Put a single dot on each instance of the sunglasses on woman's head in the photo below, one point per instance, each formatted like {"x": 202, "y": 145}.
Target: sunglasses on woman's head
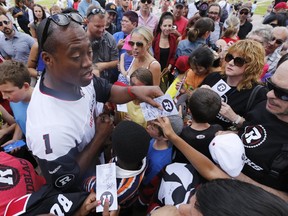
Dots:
{"x": 277, "y": 41}
{"x": 238, "y": 61}
{"x": 138, "y": 43}
{"x": 148, "y": 1}
{"x": 280, "y": 93}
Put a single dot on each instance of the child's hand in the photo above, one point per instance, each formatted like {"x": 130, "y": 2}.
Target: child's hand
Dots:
{"x": 165, "y": 124}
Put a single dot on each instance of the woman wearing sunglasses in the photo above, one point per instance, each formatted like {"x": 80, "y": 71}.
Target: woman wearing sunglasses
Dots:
{"x": 164, "y": 46}
{"x": 141, "y": 41}
{"x": 244, "y": 64}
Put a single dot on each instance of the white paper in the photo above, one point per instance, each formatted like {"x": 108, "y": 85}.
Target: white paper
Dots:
{"x": 106, "y": 187}
{"x": 151, "y": 113}
{"x": 221, "y": 87}
{"x": 122, "y": 108}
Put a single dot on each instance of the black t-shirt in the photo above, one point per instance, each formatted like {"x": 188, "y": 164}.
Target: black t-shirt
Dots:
{"x": 199, "y": 140}
{"x": 245, "y": 29}
{"x": 164, "y": 55}
{"x": 263, "y": 135}
{"x": 237, "y": 100}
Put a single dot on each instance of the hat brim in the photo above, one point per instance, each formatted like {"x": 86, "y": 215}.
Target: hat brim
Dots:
{"x": 111, "y": 11}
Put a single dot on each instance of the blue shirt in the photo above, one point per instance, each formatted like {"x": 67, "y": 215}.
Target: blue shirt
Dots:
{"x": 118, "y": 36}
{"x": 156, "y": 159}
{"x": 83, "y": 6}
{"x": 20, "y": 114}
{"x": 18, "y": 47}
{"x": 186, "y": 47}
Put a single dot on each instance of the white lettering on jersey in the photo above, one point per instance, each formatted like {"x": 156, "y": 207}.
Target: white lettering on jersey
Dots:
{"x": 64, "y": 202}
{"x": 252, "y": 164}
{"x": 254, "y": 134}
{"x": 4, "y": 178}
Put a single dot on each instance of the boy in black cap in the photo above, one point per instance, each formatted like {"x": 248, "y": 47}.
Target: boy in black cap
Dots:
{"x": 111, "y": 17}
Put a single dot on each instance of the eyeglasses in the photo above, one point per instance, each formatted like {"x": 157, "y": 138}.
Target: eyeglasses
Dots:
{"x": 138, "y": 43}
{"x": 246, "y": 13}
{"x": 280, "y": 93}
{"x": 61, "y": 20}
{"x": 148, "y": 1}
{"x": 213, "y": 13}
{"x": 96, "y": 11}
{"x": 238, "y": 61}
{"x": 6, "y": 22}
{"x": 277, "y": 41}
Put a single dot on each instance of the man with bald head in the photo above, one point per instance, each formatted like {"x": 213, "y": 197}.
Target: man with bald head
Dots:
{"x": 63, "y": 130}
{"x": 264, "y": 135}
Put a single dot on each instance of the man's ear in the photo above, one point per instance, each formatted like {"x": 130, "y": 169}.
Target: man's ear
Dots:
{"x": 47, "y": 58}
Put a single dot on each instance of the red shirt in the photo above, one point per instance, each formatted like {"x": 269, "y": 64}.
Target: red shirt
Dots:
{"x": 181, "y": 25}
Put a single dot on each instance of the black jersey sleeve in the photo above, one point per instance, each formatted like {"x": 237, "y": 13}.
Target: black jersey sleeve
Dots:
{"x": 102, "y": 88}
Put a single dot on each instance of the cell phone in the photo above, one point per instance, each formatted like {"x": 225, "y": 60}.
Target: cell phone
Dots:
{"x": 14, "y": 145}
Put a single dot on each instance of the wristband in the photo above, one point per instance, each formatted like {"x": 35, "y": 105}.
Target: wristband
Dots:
{"x": 133, "y": 96}
{"x": 236, "y": 122}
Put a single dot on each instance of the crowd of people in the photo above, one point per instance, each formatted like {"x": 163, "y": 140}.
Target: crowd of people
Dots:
{"x": 72, "y": 80}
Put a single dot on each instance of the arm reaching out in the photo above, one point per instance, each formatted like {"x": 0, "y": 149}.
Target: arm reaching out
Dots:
{"x": 201, "y": 163}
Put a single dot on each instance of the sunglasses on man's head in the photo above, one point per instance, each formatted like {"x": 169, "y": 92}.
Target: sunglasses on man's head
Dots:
{"x": 148, "y": 1}
{"x": 60, "y": 20}
{"x": 277, "y": 41}
{"x": 6, "y": 22}
{"x": 280, "y": 93}
{"x": 96, "y": 11}
{"x": 138, "y": 43}
{"x": 238, "y": 61}
{"x": 242, "y": 12}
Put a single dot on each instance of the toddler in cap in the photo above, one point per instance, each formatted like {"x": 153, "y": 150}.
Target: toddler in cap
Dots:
{"x": 126, "y": 59}
{"x": 227, "y": 150}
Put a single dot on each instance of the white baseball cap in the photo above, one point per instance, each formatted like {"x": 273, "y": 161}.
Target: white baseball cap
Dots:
{"x": 228, "y": 151}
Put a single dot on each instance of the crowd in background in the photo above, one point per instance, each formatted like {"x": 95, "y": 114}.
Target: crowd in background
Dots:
{"x": 65, "y": 70}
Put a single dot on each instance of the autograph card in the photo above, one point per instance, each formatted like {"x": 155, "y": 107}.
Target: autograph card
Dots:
{"x": 106, "y": 187}
{"x": 122, "y": 107}
{"x": 151, "y": 113}
{"x": 221, "y": 87}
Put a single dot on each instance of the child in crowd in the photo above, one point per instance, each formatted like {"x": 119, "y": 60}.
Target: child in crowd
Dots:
{"x": 125, "y": 61}
{"x": 160, "y": 149}
{"x": 15, "y": 87}
{"x": 159, "y": 155}
{"x": 130, "y": 143}
{"x": 140, "y": 77}
{"x": 204, "y": 105}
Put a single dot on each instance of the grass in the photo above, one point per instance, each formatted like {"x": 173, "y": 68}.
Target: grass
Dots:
{"x": 262, "y": 7}
{"x": 260, "y": 10}
{"x": 47, "y": 3}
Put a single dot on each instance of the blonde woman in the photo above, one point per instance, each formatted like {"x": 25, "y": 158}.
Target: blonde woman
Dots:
{"x": 244, "y": 63}
{"x": 141, "y": 41}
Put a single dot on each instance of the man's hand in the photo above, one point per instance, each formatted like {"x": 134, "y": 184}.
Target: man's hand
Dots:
{"x": 104, "y": 126}
{"x": 147, "y": 94}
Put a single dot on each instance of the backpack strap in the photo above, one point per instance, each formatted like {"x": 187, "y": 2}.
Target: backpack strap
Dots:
{"x": 280, "y": 162}
{"x": 252, "y": 97}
